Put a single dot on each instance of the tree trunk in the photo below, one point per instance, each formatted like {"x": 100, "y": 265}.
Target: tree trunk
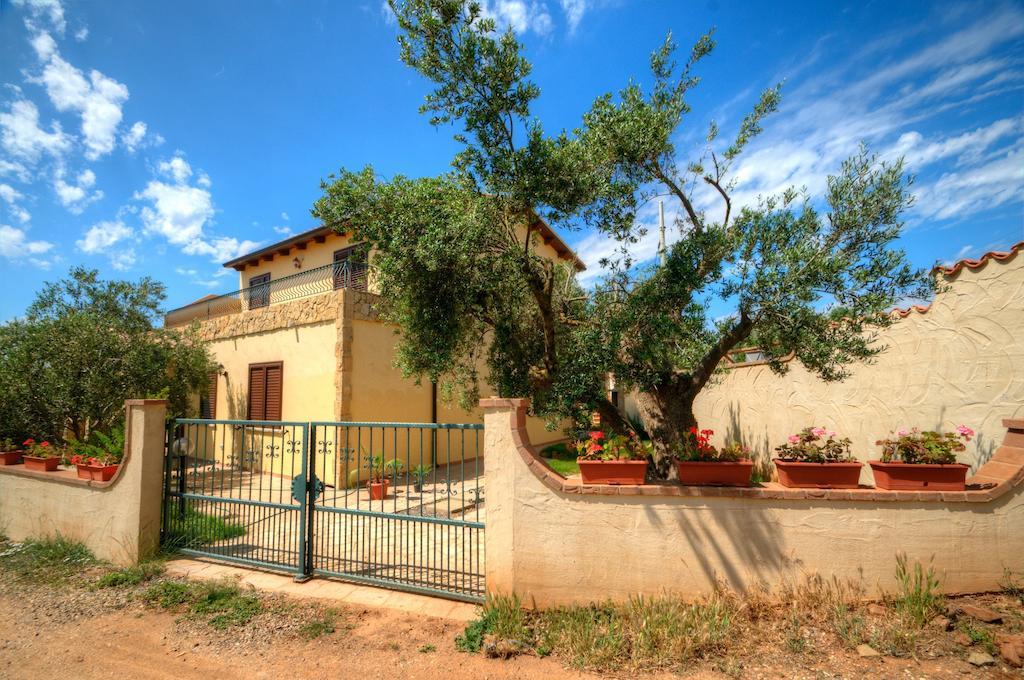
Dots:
{"x": 667, "y": 414}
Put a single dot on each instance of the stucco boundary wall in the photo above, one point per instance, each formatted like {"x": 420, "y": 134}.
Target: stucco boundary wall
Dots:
{"x": 119, "y": 520}
{"x": 555, "y": 541}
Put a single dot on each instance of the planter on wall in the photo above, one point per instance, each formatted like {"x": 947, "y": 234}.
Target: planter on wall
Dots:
{"x": 10, "y": 457}
{"x": 804, "y": 475}
{"x": 715, "y": 473}
{"x": 41, "y": 464}
{"x": 97, "y": 473}
{"x": 613, "y": 471}
{"x": 918, "y": 476}
{"x": 378, "y": 490}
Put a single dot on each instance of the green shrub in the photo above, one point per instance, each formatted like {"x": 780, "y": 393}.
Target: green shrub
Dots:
{"x": 197, "y": 529}
{"x": 168, "y": 594}
{"x": 47, "y": 560}
{"x": 131, "y": 576}
{"x": 918, "y": 599}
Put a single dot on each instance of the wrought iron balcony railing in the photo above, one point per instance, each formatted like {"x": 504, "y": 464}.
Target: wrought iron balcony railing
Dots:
{"x": 311, "y": 282}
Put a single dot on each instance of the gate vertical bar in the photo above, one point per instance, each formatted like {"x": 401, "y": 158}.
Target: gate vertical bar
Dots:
{"x": 305, "y": 558}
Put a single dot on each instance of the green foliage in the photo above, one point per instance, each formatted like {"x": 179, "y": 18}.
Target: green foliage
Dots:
{"x": 978, "y": 635}
{"x": 47, "y": 560}
{"x": 918, "y": 599}
{"x": 132, "y": 576}
{"x": 84, "y": 346}
{"x": 925, "y": 447}
{"x": 609, "y": 446}
{"x": 221, "y": 603}
{"x": 197, "y": 528}
{"x": 107, "y": 449}
{"x": 459, "y": 263}
{"x": 816, "y": 445}
{"x": 561, "y": 459}
{"x": 324, "y": 625}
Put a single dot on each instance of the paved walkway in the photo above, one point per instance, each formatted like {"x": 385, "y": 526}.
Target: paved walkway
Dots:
{"x": 325, "y": 589}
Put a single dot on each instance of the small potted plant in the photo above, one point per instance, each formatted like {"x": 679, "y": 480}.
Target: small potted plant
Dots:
{"x": 10, "y": 454}
{"x": 813, "y": 458}
{"x": 915, "y": 460}
{"x": 381, "y": 474}
{"x": 699, "y": 462}
{"x": 99, "y": 458}
{"x": 419, "y": 477}
{"x": 40, "y": 456}
{"x": 612, "y": 459}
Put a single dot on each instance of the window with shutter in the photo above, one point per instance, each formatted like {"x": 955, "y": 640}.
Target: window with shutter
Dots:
{"x": 265, "y": 388}
{"x": 350, "y": 269}
{"x": 208, "y": 400}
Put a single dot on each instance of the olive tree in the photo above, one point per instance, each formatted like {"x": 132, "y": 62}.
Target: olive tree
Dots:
{"x": 458, "y": 255}
{"x": 83, "y": 347}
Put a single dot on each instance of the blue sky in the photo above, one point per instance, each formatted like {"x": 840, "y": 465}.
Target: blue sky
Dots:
{"x": 165, "y": 138}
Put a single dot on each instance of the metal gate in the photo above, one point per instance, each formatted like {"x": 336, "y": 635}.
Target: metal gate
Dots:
{"x": 399, "y": 505}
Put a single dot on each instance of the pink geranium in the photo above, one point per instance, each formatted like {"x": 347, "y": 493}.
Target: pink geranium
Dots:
{"x": 965, "y": 432}
{"x": 794, "y": 439}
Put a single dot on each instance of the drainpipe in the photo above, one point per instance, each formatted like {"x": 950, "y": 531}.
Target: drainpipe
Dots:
{"x": 433, "y": 420}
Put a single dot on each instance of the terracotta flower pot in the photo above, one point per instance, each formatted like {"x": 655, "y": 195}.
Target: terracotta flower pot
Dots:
{"x": 378, "y": 490}
{"x": 10, "y": 457}
{"x": 803, "y": 475}
{"x": 918, "y": 476}
{"x": 612, "y": 471}
{"x": 41, "y": 464}
{"x": 97, "y": 473}
{"x": 715, "y": 473}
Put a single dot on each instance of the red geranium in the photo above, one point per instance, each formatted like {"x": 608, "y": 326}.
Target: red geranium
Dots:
{"x": 28, "y": 442}
{"x": 597, "y": 435}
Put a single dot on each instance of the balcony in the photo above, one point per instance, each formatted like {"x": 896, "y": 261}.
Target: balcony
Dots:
{"x": 304, "y": 284}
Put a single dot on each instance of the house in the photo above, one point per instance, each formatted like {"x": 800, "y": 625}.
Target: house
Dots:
{"x": 301, "y": 339}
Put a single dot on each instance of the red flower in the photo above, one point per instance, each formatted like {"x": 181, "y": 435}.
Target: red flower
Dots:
{"x": 707, "y": 433}
{"x": 28, "y": 442}
{"x": 594, "y": 447}
{"x": 94, "y": 461}
{"x": 76, "y": 460}
{"x": 597, "y": 435}
{"x": 45, "y": 444}
{"x": 693, "y": 430}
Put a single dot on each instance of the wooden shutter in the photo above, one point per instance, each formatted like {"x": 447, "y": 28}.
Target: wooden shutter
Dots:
{"x": 274, "y": 375}
{"x": 257, "y": 392}
{"x": 265, "y": 391}
{"x": 208, "y": 401}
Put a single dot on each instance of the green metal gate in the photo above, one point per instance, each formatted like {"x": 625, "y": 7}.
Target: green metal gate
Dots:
{"x": 399, "y": 505}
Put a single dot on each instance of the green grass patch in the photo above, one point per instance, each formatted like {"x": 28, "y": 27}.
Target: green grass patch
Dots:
{"x": 918, "y": 599}
{"x": 197, "y": 529}
{"x": 49, "y": 560}
{"x": 221, "y": 603}
{"x": 562, "y": 459}
{"x": 132, "y": 576}
{"x": 322, "y": 625}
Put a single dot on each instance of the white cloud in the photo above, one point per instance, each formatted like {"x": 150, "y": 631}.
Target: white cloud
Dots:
{"x": 82, "y": 34}
{"x": 11, "y": 196}
{"x": 102, "y": 235}
{"x": 969, "y": 145}
{"x": 284, "y": 216}
{"x": 574, "y": 11}
{"x": 123, "y": 260}
{"x": 22, "y": 138}
{"x": 50, "y": 10}
{"x": 181, "y": 213}
{"x": 519, "y": 15}
{"x": 388, "y": 14}
{"x": 177, "y": 168}
{"x": 76, "y": 197}
{"x": 15, "y": 246}
{"x": 12, "y": 168}
{"x": 284, "y": 231}
{"x": 960, "y": 193}
{"x": 97, "y": 99}
{"x": 138, "y": 137}
{"x": 204, "y": 180}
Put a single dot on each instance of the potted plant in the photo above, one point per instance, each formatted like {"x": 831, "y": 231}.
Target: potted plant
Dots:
{"x": 10, "y": 454}
{"x": 419, "y": 476}
{"x": 612, "y": 459}
{"x": 922, "y": 460}
{"x": 99, "y": 458}
{"x": 699, "y": 462}
{"x": 380, "y": 472}
{"x": 814, "y": 458}
{"x": 40, "y": 456}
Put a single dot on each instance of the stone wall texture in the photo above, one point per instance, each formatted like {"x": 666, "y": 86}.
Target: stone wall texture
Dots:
{"x": 308, "y": 310}
{"x": 958, "y": 361}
